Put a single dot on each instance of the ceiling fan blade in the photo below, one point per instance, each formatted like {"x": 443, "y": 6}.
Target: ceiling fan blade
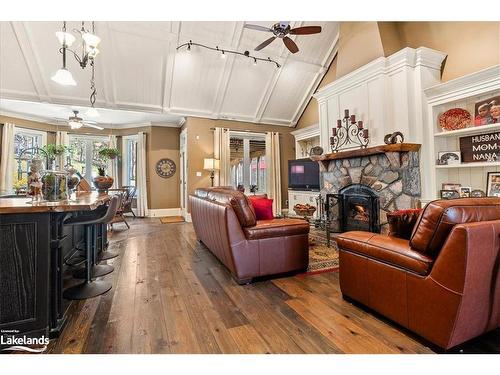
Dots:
{"x": 265, "y": 43}
{"x": 290, "y": 44}
{"x": 305, "y": 30}
{"x": 257, "y": 27}
{"x": 93, "y": 126}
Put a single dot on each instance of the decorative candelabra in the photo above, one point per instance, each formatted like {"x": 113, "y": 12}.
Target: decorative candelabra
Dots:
{"x": 351, "y": 132}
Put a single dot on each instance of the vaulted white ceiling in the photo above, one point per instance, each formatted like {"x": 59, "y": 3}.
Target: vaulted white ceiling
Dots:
{"x": 139, "y": 69}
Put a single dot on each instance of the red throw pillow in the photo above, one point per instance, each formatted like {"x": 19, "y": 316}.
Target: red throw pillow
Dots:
{"x": 263, "y": 208}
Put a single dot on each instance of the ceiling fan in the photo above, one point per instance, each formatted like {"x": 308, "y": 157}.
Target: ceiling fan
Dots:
{"x": 281, "y": 30}
{"x": 76, "y": 122}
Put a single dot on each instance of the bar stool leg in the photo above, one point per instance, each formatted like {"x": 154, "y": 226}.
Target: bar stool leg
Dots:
{"x": 89, "y": 288}
{"x": 105, "y": 253}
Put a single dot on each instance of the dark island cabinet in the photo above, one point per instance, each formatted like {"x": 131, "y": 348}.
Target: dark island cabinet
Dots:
{"x": 24, "y": 268}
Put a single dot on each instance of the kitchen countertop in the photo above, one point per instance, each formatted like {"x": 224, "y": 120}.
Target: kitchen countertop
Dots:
{"x": 77, "y": 202}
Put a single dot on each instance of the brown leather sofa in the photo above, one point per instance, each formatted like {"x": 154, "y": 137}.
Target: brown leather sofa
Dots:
{"x": 443, "y": 283}
{"x": 224, "y": 220}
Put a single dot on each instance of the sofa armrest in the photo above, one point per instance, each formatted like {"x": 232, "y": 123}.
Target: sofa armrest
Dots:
{"x": 468, "y": 265}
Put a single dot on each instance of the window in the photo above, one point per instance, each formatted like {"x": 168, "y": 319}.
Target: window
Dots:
{"x": 84, "y": 154}
{"x": 25, "y": 139}
{"x": 248, "y": 161}
{"x": 129, "y": 160}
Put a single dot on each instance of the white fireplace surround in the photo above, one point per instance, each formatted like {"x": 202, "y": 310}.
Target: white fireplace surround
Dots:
{"x": 387, "y": 94}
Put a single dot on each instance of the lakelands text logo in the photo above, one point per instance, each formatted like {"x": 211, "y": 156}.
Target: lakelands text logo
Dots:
{"x": 9, "y": 342}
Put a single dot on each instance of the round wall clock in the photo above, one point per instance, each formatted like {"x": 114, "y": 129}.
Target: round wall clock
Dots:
{"x": 165, "y": 168}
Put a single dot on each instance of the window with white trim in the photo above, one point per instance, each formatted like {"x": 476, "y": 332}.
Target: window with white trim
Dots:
{"x": 129, "y": 160}
{"x": 24, "y": 142}
{"x": 248, "y": 161}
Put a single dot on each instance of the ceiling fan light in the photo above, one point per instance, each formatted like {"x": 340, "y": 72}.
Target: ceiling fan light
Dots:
{"x": 65, "y": 38}
{"x": 75, "y": 124}
{"x": 92, "y": 112}
{"x": 64, "y": 77}
{"x": 91, "y": 40}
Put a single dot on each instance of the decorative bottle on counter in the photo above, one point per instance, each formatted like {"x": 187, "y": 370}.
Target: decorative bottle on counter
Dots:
{"x": 55, "y": 186}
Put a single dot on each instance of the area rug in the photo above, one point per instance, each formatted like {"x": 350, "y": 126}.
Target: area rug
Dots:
{"x": 171, "y": 219}
{"x": 321, "y": 257}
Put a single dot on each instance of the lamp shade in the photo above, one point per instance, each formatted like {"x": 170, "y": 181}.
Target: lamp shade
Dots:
{"x": 211, "y": 164}
{"x": 75, "y": 124}
{"x": 91, "y": 39}
{"x": 64, "y": 77}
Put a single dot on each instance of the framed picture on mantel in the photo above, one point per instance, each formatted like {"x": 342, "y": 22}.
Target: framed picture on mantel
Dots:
{"x": 480, "y": 147}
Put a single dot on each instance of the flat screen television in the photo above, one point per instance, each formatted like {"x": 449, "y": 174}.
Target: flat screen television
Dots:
{"x": 303, "y": 174}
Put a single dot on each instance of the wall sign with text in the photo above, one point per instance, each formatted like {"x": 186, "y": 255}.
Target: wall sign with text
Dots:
{"x": 480, "y": 148}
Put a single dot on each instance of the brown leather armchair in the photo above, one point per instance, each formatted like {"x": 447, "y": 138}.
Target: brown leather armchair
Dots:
{"x": 224, "y": 220}
{"x": 443, "y": 283}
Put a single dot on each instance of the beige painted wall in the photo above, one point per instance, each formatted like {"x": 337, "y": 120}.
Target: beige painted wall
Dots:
{"x": 163, "y": 143}
{"x": 200, "y": 145}
{"x": 471, "y": 46}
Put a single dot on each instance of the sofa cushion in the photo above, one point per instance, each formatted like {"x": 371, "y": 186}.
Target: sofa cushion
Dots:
{"x": 402, "y": 222}
{"x": 439, "y": 217}
{"x": 391, "y": 250}
{"x": 263, "y": 208}
{"x": 238, "y": 201}
{"x": 276, "y": 228}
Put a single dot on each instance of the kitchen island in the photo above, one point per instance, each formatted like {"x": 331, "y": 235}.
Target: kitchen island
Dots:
{"x": 34, "y": 246}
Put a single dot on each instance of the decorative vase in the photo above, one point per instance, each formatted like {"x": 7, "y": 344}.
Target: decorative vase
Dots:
{"x": 55, "y": 186}
{"x": 103, "y": 183}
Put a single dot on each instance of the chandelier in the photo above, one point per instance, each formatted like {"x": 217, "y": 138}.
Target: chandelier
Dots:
{"x": 224, "y": 52}
{"x": 89, "y": 43}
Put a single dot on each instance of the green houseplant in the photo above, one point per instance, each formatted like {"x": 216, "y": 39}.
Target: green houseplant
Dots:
{"x": 102, "y": 182}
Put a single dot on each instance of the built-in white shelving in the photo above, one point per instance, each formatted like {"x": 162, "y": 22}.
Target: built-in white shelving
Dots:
{"x": 470, "y": 165}
{"x": 463, "y": 92}
{"x": 469, "y": 131}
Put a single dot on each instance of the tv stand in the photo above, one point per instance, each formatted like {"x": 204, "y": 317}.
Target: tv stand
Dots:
{"x": 302, "y": 197}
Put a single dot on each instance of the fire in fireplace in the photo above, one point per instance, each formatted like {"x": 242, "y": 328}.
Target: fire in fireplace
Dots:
{"x": 358, "y": 208}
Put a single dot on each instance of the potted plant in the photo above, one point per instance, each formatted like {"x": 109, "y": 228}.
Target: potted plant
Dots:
{"x": 102, "y": 181}
{"x": 53, "y": 151}
{"x": 109, "y": 153}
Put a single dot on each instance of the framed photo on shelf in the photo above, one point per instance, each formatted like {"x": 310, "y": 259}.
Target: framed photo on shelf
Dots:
{"x": 449, "y": 157}
{"x": 465, "y": 191}
{"x": 451, "y": 186}
{"x": 493, "y": 185}
{"x": 449, "y": 194}
{"x": 487, "y": 111}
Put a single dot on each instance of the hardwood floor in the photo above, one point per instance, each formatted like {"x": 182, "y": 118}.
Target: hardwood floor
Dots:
{"x": 170, "y": 295}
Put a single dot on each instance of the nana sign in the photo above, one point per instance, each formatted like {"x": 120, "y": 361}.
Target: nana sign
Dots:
{"x": 480, "y": 148}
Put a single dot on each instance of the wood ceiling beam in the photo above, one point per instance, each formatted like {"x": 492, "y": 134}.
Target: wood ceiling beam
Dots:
{"x": 169, "y": 65}
{"x": 228, "y": 69}
{"x": 266, "y": 97}
{"x": 32, "y": 61}
{"x": 327, "y": 61}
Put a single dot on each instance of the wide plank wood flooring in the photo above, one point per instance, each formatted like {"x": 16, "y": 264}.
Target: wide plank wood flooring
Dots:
{"x": 170, "y": 295}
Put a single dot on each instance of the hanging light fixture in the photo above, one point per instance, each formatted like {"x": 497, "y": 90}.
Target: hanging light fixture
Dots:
{"x": 63, "y": 76}
{"x": 224, "y": 52}
{"x": 89, "y": 43}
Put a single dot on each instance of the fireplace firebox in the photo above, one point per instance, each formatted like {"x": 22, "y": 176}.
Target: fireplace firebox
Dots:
{"x": 358, "y": 208}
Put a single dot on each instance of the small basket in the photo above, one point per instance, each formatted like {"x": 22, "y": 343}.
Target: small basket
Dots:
{"x": 305, "y": 212}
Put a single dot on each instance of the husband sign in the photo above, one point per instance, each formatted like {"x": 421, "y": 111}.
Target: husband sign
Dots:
{"x": 480, "y": 148}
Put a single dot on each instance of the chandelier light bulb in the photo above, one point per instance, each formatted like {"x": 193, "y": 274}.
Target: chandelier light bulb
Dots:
{"x": 91, "y": 40}
{"x": 223, "y": 55}
{"x": 64, "y": 77}
{"x": 254, "y": 62}
{"x": 92, "y": 52}
{"x": 65, "y": 39}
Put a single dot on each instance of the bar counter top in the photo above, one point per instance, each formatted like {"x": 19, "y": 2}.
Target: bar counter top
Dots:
{"x": 77, "y": 202}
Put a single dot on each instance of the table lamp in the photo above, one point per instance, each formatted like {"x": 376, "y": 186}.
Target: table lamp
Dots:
{"x": 212, "y": 165}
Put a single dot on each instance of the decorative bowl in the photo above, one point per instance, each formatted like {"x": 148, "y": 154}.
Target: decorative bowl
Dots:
{"x": 454, "y": 119}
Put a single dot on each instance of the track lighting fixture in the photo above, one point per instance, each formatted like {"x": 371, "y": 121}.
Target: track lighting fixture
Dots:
{"x": 224, "y": 52}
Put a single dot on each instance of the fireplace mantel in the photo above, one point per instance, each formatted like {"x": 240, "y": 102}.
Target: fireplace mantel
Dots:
{"x": 324, "y": 160}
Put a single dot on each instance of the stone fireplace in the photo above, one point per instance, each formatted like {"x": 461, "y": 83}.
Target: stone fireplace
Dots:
{"x": 383, "y": 181}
